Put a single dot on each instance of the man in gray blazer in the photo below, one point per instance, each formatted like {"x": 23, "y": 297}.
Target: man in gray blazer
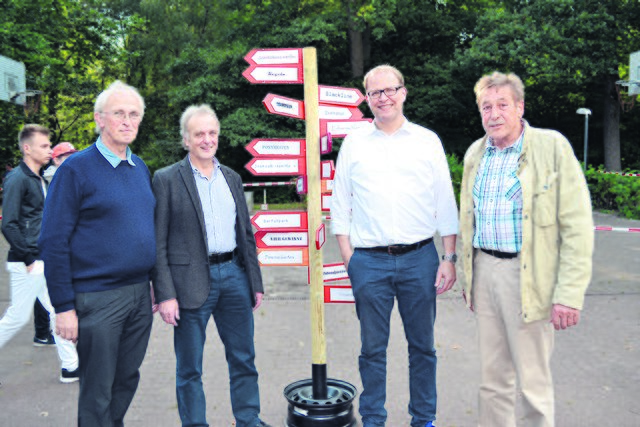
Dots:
{"x": 207, "y": 266}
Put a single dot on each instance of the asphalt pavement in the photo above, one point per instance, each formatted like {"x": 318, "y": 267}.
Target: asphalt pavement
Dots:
{"x": 596, "y": 365}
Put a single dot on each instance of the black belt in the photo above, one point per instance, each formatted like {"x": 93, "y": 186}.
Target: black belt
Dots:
{"x": 223, "y": 257}
{"x": 498, "y": 254}
{"x": 399, "y": 249}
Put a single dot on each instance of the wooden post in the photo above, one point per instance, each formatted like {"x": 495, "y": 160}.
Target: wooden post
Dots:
{"x": 314, "y": 213}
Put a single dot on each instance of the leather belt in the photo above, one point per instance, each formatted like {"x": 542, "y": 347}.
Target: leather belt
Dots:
{"x": 501, "y": 255}
{"x": 222, "y": 257}
{"x": 399, "y": 249}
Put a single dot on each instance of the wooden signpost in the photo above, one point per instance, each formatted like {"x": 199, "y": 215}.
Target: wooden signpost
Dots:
{"x": 296, "y": 238}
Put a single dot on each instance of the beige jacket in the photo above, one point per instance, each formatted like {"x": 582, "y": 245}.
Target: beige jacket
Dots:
{"x": 557, "y": 224}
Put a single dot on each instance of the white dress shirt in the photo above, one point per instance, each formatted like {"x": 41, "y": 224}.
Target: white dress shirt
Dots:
{"x": 392, "y": 189}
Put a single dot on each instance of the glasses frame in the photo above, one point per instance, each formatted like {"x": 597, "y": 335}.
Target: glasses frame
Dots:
{"x": 376, "y": 94}
{"x": 122, "y": 116}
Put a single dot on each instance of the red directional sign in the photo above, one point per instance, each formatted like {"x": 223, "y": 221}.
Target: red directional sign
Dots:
{"x": 340, "y": 128}
{"x": 340, "y": 96}
{"x": 326, "y": 144}
{"x": 283, "y": 257}
{"x": 274, "y": 56}
{"x": 274, "y": 74}
{"x": 338, "y": 294}
{"x": 334, "y": 272}
{"x": 289, "y": 107}
{"x": 337, "y": 112}
{"x": 327, "y": 169}
{"x": 277, "y": 166}
{"x": 271, "y": 239}
{"x": 277, "y": 147}
{"x": 280, "y": 221}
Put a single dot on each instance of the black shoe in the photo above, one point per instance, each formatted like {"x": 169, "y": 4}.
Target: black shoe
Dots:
{"x": 44, "y": 342}
{"x": 67, "y": 376}
{"x": 262, "y": 424}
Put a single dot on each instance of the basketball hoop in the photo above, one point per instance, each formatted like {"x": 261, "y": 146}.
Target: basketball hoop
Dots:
{"x": 30, "y": 100}
{"x": 627, "y": 93}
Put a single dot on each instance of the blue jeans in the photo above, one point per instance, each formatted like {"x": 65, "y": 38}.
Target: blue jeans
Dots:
{"x": 230, "y": 304}
{"x": 378, "y": 278}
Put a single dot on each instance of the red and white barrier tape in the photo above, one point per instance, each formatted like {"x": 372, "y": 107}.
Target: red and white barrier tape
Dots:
{"x": 621, "y": 229}
{"x": 268, "y": 184}
{"x": 619, "y": 173}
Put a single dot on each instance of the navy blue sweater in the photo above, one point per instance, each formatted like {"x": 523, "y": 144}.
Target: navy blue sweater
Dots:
{"x": 97, "y": 228}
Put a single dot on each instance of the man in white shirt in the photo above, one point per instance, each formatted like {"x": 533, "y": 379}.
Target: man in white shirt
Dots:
{"x": 392, "y": 192}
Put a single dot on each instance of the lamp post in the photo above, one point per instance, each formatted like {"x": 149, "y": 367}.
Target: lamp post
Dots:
{"x": 586, "y": 112}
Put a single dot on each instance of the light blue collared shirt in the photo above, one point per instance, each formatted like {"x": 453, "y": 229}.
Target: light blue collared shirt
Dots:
{"x": 497, "y": 199}
{"x": 110, "y": 155}
{"x": 219, "y": 209}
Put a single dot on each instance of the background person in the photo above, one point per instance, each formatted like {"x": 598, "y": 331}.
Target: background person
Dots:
{"x": 392, "y": 192}
{"x": 98, "y": 244}
{"x": 43, "y": 336}
{"x": 527, "y": 241}
{"x": 207, "y": 266}
{"x": 24, "y": 198}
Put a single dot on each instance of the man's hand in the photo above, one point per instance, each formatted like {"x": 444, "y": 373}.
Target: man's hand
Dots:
{"x": 259, "y": 296}
{"x": 564, "y": 317}
{"x": 154, "y": 307}
{"x": 67, "y": 325}
{"x": 446, "y": 277}
{"x": 170, "y": 312}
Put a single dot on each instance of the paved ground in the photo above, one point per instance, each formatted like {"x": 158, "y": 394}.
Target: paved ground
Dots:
{"x": 596, "y": 365}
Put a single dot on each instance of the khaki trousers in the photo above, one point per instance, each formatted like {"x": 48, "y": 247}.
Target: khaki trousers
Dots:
{"x": 512, "y": 352}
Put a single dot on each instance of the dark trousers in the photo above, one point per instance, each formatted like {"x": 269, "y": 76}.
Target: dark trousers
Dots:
{"x": 114, "y": 329}
{"x": 41, "y": 320}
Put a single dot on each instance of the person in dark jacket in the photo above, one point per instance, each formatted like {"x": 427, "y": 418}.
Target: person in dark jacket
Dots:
{"x": 207, "y": 267}
{"x": 24, "y": 194}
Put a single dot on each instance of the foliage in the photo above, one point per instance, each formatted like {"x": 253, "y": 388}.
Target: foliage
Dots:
{"x": 456, "y": 167}
{"x": 614, "y": 192}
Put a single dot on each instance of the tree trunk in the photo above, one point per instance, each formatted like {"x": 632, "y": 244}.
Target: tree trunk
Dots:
{"x": 611, "y": 126}
{"x": 357, "y": 53}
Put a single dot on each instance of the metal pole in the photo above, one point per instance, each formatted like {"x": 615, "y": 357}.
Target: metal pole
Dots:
{"x": 586, "y": 139}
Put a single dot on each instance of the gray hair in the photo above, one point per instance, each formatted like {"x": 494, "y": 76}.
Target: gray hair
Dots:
{"x": 498, "y": 79}
{"x": 195, "y": 110}
{"x": 27, "y": 133}
{"x": 103, "y": 98}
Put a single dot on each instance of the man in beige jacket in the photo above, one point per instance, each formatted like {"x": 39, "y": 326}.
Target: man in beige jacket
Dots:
{"x": 527, "y": 241}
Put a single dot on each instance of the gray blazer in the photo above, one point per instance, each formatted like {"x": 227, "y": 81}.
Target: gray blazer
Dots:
{"x": 182, "y": 264}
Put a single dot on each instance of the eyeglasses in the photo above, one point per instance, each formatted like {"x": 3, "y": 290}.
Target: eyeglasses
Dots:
{"x": 390, "y": 91}
{"x": 121, "y": 116}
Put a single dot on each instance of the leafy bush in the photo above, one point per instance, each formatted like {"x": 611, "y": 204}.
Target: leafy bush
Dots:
{"x": 617, "y": 193}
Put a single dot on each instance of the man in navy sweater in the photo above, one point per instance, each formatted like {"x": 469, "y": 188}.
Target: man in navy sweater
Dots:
{"x": 98, "y": 246}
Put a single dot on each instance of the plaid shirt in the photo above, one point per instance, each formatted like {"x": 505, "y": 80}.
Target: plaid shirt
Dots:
{"x": 497, "y": 200}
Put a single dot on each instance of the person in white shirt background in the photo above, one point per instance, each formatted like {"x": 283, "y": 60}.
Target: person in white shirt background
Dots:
{"x": 392, "y": 193}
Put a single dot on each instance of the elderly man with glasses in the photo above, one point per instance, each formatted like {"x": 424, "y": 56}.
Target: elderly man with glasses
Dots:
{"x": 98, "y": 245}
{"x": 392, "y": 193}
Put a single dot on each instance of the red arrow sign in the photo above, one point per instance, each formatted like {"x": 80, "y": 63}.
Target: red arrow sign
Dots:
{"x": 277, "y": 147}
{"x": 273, "y": 74}
{"x": 289, "y": 107}
{"x": 280, "y": 221}
{"x": 270, "y": 239}
{"x": 340, "y": 128}
{"x": 338, "y": 294}
{"x": 283, "y": 257}
{"x": 336, "y": 112}
{"x": 340, "y": 96}
{"x": 277, "y": 166}
{"x": 274, "y": 57}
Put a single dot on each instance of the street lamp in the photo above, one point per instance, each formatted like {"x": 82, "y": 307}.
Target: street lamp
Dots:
{"x": 586, "y": 112}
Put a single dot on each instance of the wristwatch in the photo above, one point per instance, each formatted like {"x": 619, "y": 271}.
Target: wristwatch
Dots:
{"x": 452, "y": 258}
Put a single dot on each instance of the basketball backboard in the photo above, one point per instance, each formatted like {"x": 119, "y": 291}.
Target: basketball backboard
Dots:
{"x": 12, "y": 80}
{"x": 634, "y": 73}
